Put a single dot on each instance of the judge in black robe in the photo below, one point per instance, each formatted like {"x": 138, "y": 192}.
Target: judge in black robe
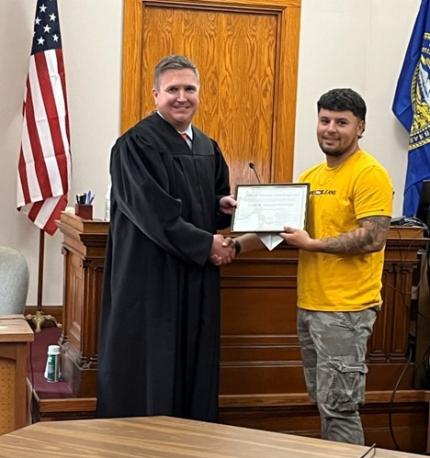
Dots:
{"x": 160, "y": 318}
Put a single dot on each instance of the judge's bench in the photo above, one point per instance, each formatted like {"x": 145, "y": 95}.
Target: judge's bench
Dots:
{"x": 262, "y": 384}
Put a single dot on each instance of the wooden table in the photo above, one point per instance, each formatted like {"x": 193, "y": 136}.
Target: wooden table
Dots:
{"x": 166, "y": 437}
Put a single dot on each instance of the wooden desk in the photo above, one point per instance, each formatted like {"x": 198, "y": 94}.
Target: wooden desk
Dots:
{"x": 261, "y": 375}
{"x": 168, "y": 438}
{"x": 15, "y": 333}
{"x": 259, "y": 341}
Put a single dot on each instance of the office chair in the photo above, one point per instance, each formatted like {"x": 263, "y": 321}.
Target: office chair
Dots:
{"x": 14, "y": 278}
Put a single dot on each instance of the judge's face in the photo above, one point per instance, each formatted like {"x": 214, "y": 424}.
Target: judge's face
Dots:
{"x": 177, "y": 97}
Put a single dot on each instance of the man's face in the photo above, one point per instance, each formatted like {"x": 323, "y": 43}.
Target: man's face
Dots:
{"x": 177, "y": 97}
{"x": 338, "y": 132}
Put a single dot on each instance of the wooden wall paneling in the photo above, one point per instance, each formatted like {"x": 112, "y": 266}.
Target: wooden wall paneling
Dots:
{"x": 259, "y": 310}
{"x": 259, "y": 346}
{"x": 422, "y": 323}
{"x": 409, "y": 422}
{"x": 76, "y": 408}
{"x": 262, "y": 383}
{"x": 377, "y": 351}
{"x": 15, "y": 334}
{"x": 260, "y": 354}
{"x": 401, "y": 313}
{"x": 285, "y": 106}
{"x": 132, "y": 64}
{"x": 390, "y": 339}
{"x": 247, "y": 56}
{"x": 84, "y": 252}
{"x": 7, "y": 392}
{"x": 77, "y": 280}
{"x": 235, "y": 54}
{"x": 264, "y": 348}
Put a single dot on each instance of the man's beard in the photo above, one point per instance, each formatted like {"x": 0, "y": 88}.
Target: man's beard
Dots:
{"x": 334, "y": 152}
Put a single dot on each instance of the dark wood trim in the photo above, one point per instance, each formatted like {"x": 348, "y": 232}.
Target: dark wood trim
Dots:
{"x": 292, "y": 399}
{"x": 61, "y": 408}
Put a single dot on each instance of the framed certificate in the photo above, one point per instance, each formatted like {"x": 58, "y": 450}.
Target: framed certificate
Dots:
{"x": 270, "y": 207}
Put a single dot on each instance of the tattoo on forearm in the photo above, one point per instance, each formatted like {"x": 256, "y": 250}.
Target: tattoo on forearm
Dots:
{"x": 368, "y": 237}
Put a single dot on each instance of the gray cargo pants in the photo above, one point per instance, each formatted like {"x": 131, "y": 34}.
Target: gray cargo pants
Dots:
{"x": 333, "y": 346}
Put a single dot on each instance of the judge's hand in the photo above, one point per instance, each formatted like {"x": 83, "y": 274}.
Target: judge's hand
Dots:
{"x": 297, "y": 237}
{"x": 222, "y": 251}
{"x": 227, "y": 204}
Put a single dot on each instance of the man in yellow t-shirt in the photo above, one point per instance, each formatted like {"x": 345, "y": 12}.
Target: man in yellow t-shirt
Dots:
{"x": 340, "y": 264}
{"x": 341, "y": 258}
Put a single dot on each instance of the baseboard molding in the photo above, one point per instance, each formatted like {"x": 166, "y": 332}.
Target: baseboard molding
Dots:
{"x": 294, "y": 413}
{"x": 302, "y": 399}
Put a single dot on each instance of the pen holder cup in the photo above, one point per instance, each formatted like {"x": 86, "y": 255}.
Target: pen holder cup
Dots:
{"x": 84, "y": 211}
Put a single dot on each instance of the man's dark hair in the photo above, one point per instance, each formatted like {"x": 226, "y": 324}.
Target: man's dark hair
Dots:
{"x": 343, "y": 100}
{"x": 173, "y": 62}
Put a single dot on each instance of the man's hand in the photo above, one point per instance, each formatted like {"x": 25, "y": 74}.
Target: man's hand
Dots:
{"x": 222, "y": 251}
{"x": 299, "y": 238}
{"x": 368, "y": 237}
{"x": 227, "y": 204}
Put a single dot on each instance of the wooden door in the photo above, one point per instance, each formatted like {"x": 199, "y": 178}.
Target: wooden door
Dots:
{"x": 246, "y": 52}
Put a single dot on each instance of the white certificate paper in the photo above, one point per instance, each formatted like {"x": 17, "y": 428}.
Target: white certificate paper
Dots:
{"x": 270, "y": 207}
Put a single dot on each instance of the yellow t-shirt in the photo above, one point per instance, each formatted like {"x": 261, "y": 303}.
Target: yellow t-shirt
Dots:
{"x": 339, "y": 196}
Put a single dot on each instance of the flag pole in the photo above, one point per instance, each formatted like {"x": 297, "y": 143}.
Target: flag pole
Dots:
{"x": 39, "y": 318}
{"x": 40, "y": 272}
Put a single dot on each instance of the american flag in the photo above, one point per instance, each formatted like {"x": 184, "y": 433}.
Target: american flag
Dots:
{"x": 44, "y": 161}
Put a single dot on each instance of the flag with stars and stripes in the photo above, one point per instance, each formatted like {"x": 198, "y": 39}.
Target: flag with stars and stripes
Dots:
{"x": 44, "y": 165}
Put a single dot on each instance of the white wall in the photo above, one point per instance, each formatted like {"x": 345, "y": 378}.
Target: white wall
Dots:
{"x": 357, "y": 44}
{"x": 92, "y": 39}
{"x": 344, "y": 43}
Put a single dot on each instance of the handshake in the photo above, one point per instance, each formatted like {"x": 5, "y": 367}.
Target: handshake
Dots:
{"x": 223, "y": 250}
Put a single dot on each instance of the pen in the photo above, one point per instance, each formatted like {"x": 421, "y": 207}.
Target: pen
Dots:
{"x": 90, "y": 197}
{"x": 372, "y": 449}
{"x": 86, "y": 198}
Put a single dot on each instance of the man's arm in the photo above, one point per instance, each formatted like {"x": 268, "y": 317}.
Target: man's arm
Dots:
{"x": 369, "y": 237}
{"x": 249, "y": 242}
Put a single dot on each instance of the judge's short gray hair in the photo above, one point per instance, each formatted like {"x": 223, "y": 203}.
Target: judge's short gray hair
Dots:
{"x": 173, "y": 62}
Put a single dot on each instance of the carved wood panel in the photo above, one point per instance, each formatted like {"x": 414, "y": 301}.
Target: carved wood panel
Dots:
{"x": 259, "y": 345}
{"x": 262, "y": 384}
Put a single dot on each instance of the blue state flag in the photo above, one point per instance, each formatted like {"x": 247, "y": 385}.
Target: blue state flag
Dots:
{"x": 412, "y": 108}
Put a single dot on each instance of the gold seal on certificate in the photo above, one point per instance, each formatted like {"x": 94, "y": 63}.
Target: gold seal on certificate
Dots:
{"x": 270, "y": 207}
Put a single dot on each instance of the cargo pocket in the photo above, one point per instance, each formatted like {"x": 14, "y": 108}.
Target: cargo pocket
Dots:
{"x": 347, "y": 385}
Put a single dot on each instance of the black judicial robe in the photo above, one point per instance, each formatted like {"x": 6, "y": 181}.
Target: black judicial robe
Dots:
{"x": 160, "y": 317}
